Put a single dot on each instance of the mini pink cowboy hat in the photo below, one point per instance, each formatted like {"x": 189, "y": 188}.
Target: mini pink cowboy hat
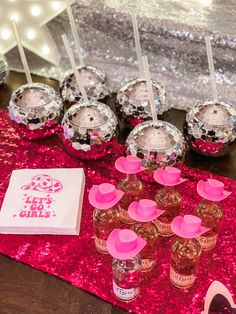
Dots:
{"x": 129, "y": 165}
{"x": 188, "y": 227}
{"x": 104, "y": 196}
{"x": 169, "y": 176}
{"x": 212, "y": 190}
{"x": 124, "y": 244}
{"x": 144, "y": 210}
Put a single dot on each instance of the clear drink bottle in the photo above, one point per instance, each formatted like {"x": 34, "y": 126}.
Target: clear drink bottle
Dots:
{"x": 210, "y": 211}
{"x": 104, "y": 198}
{"x": 131, "y": 185}
{"x": 124, "y": 246}
{"x": 185, "y": 250}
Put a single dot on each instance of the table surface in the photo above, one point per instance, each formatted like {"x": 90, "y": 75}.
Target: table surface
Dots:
{"x": 24, "y": 290}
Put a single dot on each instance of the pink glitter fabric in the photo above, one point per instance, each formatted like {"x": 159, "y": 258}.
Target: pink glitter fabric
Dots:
{"x": 135, "y": 120}
{"x": 207, "y": 147}
{"x": 50, "y": 128}
{"x": 74, "y": 259}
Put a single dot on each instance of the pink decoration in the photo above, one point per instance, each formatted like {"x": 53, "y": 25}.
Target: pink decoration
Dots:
{"x": 43, "y": 183}
{"x": 169, "y": 176}
{"x": 144, "y": 210}
{"x": 75, "y": 259}
{"x": 104, "y": 196}
{"x": 212, "y": 190}
{"x": 129, "y": 165}
{"x": 188, "y": 227}
{"x": 124, "y": 244}
{"x": 215, "y": 292}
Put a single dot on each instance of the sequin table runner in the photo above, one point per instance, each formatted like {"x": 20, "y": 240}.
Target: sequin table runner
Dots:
{"x": 74, "y": 259}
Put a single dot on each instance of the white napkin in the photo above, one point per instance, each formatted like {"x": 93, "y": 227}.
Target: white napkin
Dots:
{"x": 43, "y": 201}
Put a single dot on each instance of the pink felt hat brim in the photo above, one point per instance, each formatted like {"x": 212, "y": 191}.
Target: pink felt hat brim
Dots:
{"x": 208, "y": 196}
{"x": 111, "y": 247}
{"x": 135, "y": 216}
{"x": 175, "y": 227}
{"x": 159, "y": 178}
{"x": 119, "y": 165}
{"x": 103, "y": 205}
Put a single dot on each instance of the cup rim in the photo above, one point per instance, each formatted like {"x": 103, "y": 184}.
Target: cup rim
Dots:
{"x": 156, "y": 84}
{"x": 150, "y": 123}
{"x": 35, "y": 85}
{"x": 83, "y": 104}
{"x": 211, "y": 102}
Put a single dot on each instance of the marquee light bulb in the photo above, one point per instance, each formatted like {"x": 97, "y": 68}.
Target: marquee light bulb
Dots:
{"x": 206, "y": 3}
{"x": 36, "y": 10}
{"x": 5, "y": 34}
{"x": 45, "y": 50}
{"x": 31, "y": 34}
{"x": 56, "y": 5}
{"x": 15, "y": 17}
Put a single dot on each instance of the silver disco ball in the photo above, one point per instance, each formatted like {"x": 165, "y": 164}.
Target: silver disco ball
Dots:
{"x": 89, "y": 130}
{"x": 210, "y": 128}
{"x": 133, "y": 103}
{"x": 157, "y": 144}
{"x": 94, "y": 82}
{"x": 35, "y": 110}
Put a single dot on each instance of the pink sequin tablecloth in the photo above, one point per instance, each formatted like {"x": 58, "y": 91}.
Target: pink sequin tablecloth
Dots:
{"x": 74, "y": 259}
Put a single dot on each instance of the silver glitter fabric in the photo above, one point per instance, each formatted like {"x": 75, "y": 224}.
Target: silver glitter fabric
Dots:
{"x": 94, "y": 82}
{"x": 210, "y": 128}
{"x": 157, "y": 144}
{"x": 88, "y": 130}
{"x": 171, "y": 35}
{"x": 132, "y": 100}
{"x": 4, "y": 69}
{"x": 35, "y": 107}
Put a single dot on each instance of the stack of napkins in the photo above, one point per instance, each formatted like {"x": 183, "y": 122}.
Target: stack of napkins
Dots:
{"x": 43, "y": 201}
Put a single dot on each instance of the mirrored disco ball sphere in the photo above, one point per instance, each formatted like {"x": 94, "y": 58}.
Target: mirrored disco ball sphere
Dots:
{"x": 94, "y": 82}
{"x": 89, "y": 130}
{"x": 4, "y": 69}
{"x": 35, "y": 110}
{"x": 210, "y": 128}
{"x": 132, "y": 102}
{"x": 157, "y": 144}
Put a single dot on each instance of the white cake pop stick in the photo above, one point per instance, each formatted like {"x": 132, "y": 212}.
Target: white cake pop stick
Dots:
{"x": 211, "y": 68}
{"x": 75, "y": 34}
{"x": 137, "y": 44}
{"x": 22, "y": 53}
{"x": 74, "y": 67}
{"x": 149, "y": 88}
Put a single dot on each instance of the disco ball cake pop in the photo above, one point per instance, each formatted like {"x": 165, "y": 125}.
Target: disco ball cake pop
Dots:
{"x": 158, "y": 144}
{"x": 35, "y": 111}
{"x": 94, "y": 82}
{"x": 4, "y": 69}
{"x": 88, "y": 130}
{"x": 210, "y": 128}
{"x": 132, "y": 102}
